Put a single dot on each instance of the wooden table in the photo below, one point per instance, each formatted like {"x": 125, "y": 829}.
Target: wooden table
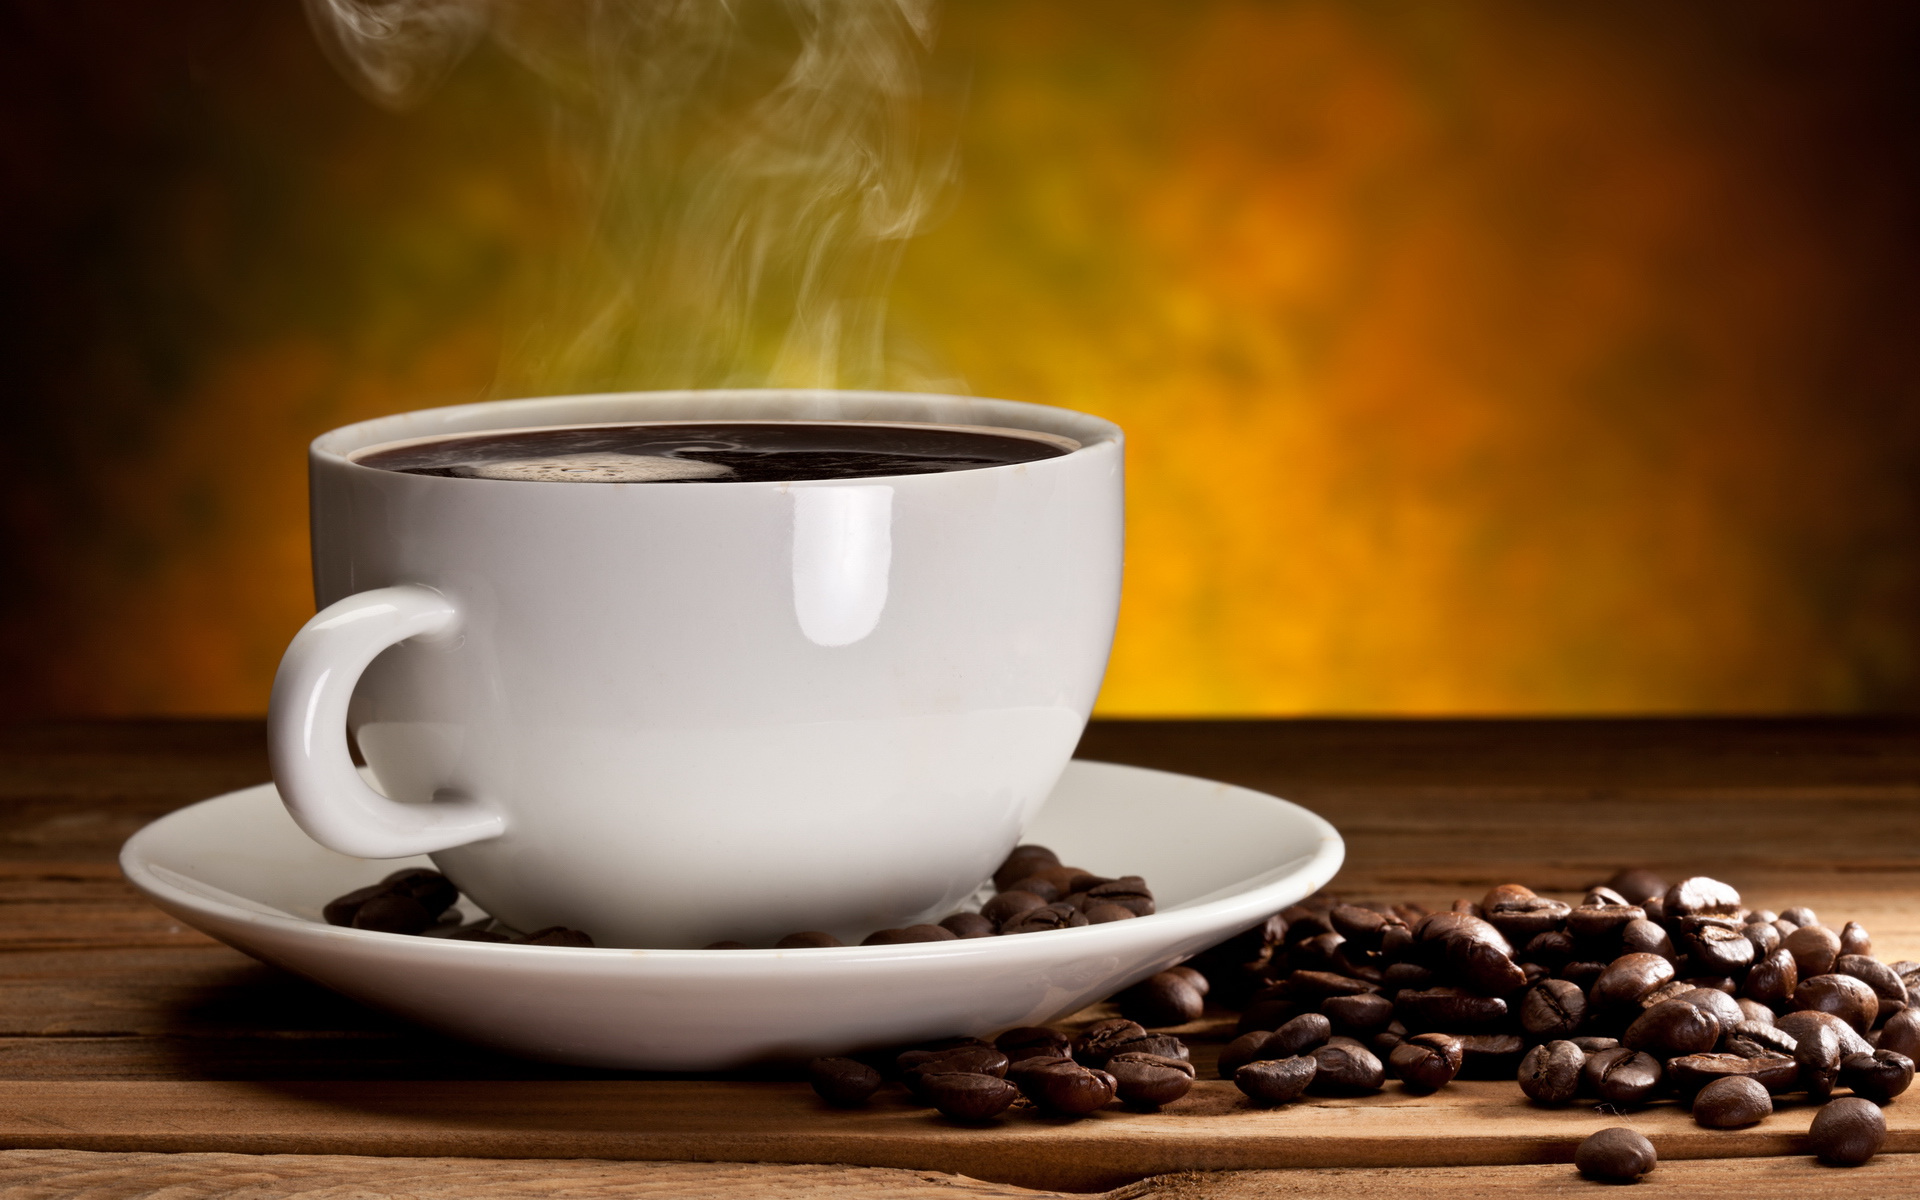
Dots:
{"x": 137, "y": 1055}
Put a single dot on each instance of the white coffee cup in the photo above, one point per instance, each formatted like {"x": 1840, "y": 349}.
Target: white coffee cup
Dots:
{"x": 675, "y": 713}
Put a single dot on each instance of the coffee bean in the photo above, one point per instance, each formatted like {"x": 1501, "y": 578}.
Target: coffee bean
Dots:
{"x": 1594, "y": 1045}
{"x": 1129, "y": 892}
{"x": 1346, "y": 1066}
{"x": 969, "y": 1098}
{"x": 1276, "y": 1080}
{"x": 1550, "y": 1073}
{"x": 1521, "y": 917}
{"x": 1361, "y": 926}
{"x": 1600, "y": 922}
{"x": 1621, "y": 1076}
{"x": 1103, "y": 1038}
{"x": 1195, "y": 979}
{"x": 1164, "y": 1044}
{"x": 1316, "y": 986}
{"x": 1448, "y": 1008}
{"x": 1161, "y": 999}
{"x": 912, "y": 933}
{"x": 1104, "y": 914}
{"x": 1754, "y": 1011}
{"x": 1616, "y": 1155}
{"x": 1628, "y": 978}
{"x": 973, "y": 1058}
{"x": 1552, "y": 1009}
{"x": 1773, "y": 978}
{"x": 1426, "y": 1062}
{"x": 1637, "y": 884}
{"x": 1022, "y": 862}
{"x": 1719, "y": 950}
{"x": 1901, "y": 1033}
{"x": 1147, "y": 1081}
{"x": 1248, "y": 1047}
{"x": 1888, "y": 987}
{"x": 1672, "y": 1028}
{"x": 1853, "y": 939}
{"x": 1645, "y": 937}
{"x": 1818, "y": 1052}
{"x": 1842, "y": 995}
{"x": 846, "y": 1082}
{"x": 1304, "y": 922}
{"x": 1799, "y": 914}
{"x": 1382, "y": 1043}
{"x": 1600, "y": 896}
{"x": 1035, "y": 885}
{"x": 1358, "y": 1016}
{"x": 1582, "y": 974}
{"x": 1847, "y": 1132}
{"x": 1552, "y": 949}
{"x": 1687, "y": 1074}
{"x": 1010, "y": 904}
{"x": 808, "y": 940}
{"x": 1049, "y": 916}
{"x": 1725, "y": 1008}
{"x": 1701, "y": 896}
{"x": 560, "y": 935}
{"x": 1765, "y": 938}
{"x": 1673, "y": 989}
{"x": 1751, "y": 1039}
{"x": 964, "y": 925}
{"x": 1797, "y": 1023}
{"x": 1031, "y": 1041}
{"x": 1406, "y": 976}
{"x": 1878, "y": 1077}
{"x": 1019, "y": 1069}
{"x": 1814, "y": 947}
{"x": 1482, "y": 968}
{"x": 391, "y": 912}
{"x": 1068, "y": 1089}
{"x": 1731, "y": 1103}
{"x": 1434, "y": 933}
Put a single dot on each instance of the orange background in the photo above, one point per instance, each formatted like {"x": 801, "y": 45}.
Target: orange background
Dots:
{"x": 1475, "y": 357}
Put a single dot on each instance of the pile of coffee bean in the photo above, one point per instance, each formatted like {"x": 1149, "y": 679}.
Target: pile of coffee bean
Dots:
{"x": 1033, "y": 892}
{"x": 1043, "y": 1069}
{"x": 420, "y": 901}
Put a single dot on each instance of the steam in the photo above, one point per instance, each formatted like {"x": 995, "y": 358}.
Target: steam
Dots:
{"x": 746, "y": 174}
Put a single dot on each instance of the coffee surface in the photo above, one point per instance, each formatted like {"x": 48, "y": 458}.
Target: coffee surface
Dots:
{"x": 717, "y": 452}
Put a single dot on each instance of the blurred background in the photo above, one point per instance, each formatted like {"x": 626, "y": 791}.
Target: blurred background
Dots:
{"x": 1476, "y": 357}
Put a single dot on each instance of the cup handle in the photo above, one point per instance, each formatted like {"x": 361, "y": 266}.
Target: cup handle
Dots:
{"x": 307, "y": 731}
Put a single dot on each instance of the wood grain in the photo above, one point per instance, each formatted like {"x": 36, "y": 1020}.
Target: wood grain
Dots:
{"x": 123, "y": 1032}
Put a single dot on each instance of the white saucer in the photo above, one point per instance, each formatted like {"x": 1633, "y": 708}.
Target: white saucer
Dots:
{"x": 1218, "y": 858}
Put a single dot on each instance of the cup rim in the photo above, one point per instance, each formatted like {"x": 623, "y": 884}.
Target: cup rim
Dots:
{"x": 339, "y": 447}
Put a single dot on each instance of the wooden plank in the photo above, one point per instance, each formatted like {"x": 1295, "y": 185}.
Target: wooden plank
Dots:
{"x": 1470, "y": 1124}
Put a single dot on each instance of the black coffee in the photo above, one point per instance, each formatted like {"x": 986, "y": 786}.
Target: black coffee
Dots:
{"x": 717, "y": 452}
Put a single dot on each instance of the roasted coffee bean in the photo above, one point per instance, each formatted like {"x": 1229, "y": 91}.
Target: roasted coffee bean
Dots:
{"x": 1035, "y": 885}
{"x": 1901, "y": 1033}
{"x": 1719, "y": 950}
{"x": 1102, "y": 1039}
{"x": 969, "y": 1098}
{"x": 1022, "y": 862}
{"x": 912, "y": 933}
{"x": 1346, "y": 1066}
{"x": 1318, "y": 985}
{"x": 1449, "y": 1009}
{"x": 1303, "y": 923}
{"x": 1490, "y": 1055}
{"x": 973, "y": 1059}
{"x": 1049, "y": 916}
{"x": 1300, "y": 1035}
{"x": 1594, "y": 1045}
{"x": 1010, "y": 904}
{"x": 1853, "y": 939}
{"x": 1814, "y": 947}
{"x": 1520, "y": 918}
{"x": 1656, "y": 909}
{"x": 1320, "y": 953}
{"x": 1765, "y": 938}
{"x": 1673, "y": 989}
{"x": 964, "y": 925}
{"x": 1847, "y": 1132}
{"x": 1550, "y": 1073}
{"x": 1818, "y": 1052}
{"x": 1248, "y": 1047}
{"x": 1582, "y": 974}
{"x": 1382, "y": 1043}
{"x": 1878, "y": 1077}
{"x": 1628, "y": 978}
{"x": 1842, "y": 995}
{"x": 1019, "y": 1069}
{"x": 1725, "y": 1008}
{"x": 1796, "y": 1025}
{"x": 1621, "y": 1076}
{"x": 1535, "y": 973}
{"x": 1731, "y": 1103}
{"x": 1361, "y": 926}
{"x": 1032, "y": 1041}
{"x": 1552, "y": 949}
{"x": 846, "y": 1082}
{"x": 1753, "y": 1010}
{"x": 1637, "y": 884}
{"x": 1404, "y": 976}
{"x": 1276, "y": 1080}
{"x": 1358, "y": 1016}
{"x": 726, "y": 945}
{"x": 1164, "y": 1044}
{"x": 1645, "y": 937}
{"x": 1719, "y": 983}
{"x": 1616, "y": 1155}
{"x": 1799, "y": 914}
{"x": 1601, "y": 896}
{"x": 1598, "y": 922}
{"x": 1672, "y": 1028}
{"x": 1129, "y": 892}
{"x": 1482, "y": 968}
{"x": 807, "y": 940}
{"x": 1701, "y": 896}
{"x": 1268, "y": 1013}
{"x": 1102, "y": 914}
{"x": 1773, "y": 978}
{"x": 1195, "y": 979}
{"x": 432, "y": 890}
{"x": 1147, "y": 1081}
{"x": 1888, "y": 987}
{"x": 392, "y": 912}
{"x": 1687, "y": 1074}
{"x": 1426, "y": 1062}
{"x": 1552, "y": 1009}
{"x": 1751, "y": 1039}
{"x": 1434, "y": 933}
{"x": 559, "y": 935}
{"x": 1068, "y": 1089}
{"x": 1161, "y": 999}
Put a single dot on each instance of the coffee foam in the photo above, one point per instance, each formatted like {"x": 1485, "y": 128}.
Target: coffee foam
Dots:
{"x": 605, "y": 467}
